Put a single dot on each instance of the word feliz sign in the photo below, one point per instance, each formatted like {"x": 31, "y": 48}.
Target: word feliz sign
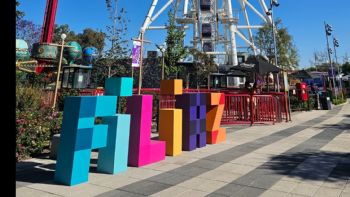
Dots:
{"x": 124, "y": 139}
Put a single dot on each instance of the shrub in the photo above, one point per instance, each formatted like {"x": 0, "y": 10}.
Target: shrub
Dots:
{"x": 27, "y": 98}
{"x": 340, "y": 99}
{"x": 62, "y": 96}
{"x": 34, "y": 129}
{"x": 34, "y": 125}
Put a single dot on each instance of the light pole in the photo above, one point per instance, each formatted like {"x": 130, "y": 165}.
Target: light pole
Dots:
{"x": 63, "y": 36}
{"x": 274, "y": 3}
{"x": 162, "y": 50}
{"x": 328, "y": 30}
{"x": 336, "y": 45}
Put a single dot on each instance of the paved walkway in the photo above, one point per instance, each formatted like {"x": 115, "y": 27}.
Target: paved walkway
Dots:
{"x": 307, "y": 157}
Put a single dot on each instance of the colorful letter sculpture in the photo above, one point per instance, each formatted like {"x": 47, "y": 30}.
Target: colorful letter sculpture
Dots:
{"x": 171, "y": 87}
{"x": 142, "y": 150}
{"x": 215, "y": 108}
{"x": 80, "y": 135}
{"x": 193, "y": 107}
{"x": 170, "y": 120}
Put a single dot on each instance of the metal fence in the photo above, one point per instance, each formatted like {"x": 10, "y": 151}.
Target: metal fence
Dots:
{"x": 240, "y": 108}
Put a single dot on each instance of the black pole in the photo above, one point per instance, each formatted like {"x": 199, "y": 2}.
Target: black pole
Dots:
{"x": 330, "y": 59}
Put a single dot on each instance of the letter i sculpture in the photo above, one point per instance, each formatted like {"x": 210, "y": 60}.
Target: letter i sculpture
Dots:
{"x": 170, "y": 119}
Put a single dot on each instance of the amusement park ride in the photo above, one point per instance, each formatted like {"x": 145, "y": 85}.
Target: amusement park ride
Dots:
{"x": 44, "y": 56}
{"x": 215, "y": 23}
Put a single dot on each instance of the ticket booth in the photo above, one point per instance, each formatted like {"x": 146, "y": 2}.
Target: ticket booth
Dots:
{"x": 76, "y": 76}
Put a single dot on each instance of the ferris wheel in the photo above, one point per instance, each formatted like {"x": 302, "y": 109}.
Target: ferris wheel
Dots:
{"x": 216, "y": 24}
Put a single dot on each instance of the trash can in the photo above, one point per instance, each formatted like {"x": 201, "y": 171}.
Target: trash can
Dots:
{"x": 329, "y": 103}
{"x": 326, "y": 103}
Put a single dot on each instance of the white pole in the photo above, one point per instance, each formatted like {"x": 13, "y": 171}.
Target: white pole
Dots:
{"x": 161, "y": 11}
{"x": 248, "y": 24}
{"x": 256, "y": 11}
{"x": 264, "y": 7}
{"x": 185, "y": 7}
{"x": 233, "y": 30}
{"x": 147, "y": 21}
{"x": 63, "y": 36}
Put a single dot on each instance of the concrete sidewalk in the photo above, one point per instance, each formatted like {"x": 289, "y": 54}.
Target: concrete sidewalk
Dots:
{"x": 307, "y": 157}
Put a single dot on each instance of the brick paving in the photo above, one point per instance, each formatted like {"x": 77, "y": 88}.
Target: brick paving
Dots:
{"x": 309, "y": 156}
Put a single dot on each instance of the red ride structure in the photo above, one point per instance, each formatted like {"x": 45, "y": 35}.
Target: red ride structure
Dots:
{"x": 47, "y": 29}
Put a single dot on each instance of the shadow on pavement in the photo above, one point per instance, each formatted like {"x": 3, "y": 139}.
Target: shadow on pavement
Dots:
{"x": 35, "y": 173}
{"x": 344, "y": 126}
{"x": 327, "y": 166}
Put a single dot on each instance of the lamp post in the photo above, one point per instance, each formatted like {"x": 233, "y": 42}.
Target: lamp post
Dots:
{"x": 162, "y": 50}
{"x": 63, "y": 37}
{"x": 274, "y": 3}
{"x": 328, "y": 30}
{"x": 336, "y": 45}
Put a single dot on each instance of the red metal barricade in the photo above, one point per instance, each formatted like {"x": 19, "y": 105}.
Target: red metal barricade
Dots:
{"x": 249, "y": 109}
{"x": 263, "y": 109}
{"x": 166, "y": 101}
{"x": 283, "y": 105}
{"x": 236, "y": 109}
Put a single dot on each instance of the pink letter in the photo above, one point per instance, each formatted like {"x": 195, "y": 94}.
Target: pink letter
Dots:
{"x": 142, "y": 150}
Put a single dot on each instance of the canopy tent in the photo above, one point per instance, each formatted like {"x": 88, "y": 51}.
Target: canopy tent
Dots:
{"x": 257, "y": 65}
{"x": 236, "y": 73}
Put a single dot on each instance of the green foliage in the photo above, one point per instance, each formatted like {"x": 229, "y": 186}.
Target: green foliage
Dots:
{"x": 346, "y": 68}
{"x": 19, "y": 14}
{"x": 34, "y": 124}
{"x": 59, "y": 30}
{"x": 28, "y": 31}
{"x": 287, "y": 52}
{"x": 312, "y": 102}
{"x": 339, "y": 100}
{"x": 27, "y": 98}
{"x": 120, "y": 68}
{"x": 90, "y": 37}
{"x": 204, "y": 65}
{"x": 298, "y": 105}
{"x": 24, "y": 79}
{"x": 175, "y": 49}
{"x": 34, "y": 129}
{"x": 62, "y": 96}
{"x": 117, "y": 32}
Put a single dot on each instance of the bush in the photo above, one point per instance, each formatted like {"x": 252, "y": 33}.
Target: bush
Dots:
{"x": 34, "y": 129}
{"x": 27, "y": 98}
{"x": 63, "y": 94}
{"x": 34, "y": 125}
{"x": 340, "y": 100}
{"x": 313, "y": 102}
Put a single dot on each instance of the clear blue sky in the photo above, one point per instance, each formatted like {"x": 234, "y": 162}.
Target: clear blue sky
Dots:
{"x": 303, "y": 18}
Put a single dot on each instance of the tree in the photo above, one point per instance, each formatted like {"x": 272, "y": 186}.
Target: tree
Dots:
{"x": 59, "y": 30}
{"x": 115, "y": 61}
{"x": 346, "y": 68}
{"x": 90, "y": 37}
{"x": 28, "y": 31}
{"x": 175, "y": 49}
{"x": 116, "y": 35}
{"x": 319, "y": 58}
{"x": 19, "y": 14}
{"x": 287, "y": 52}
{"x": 204, "y": 65}
{"x": 346, "y": 58}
